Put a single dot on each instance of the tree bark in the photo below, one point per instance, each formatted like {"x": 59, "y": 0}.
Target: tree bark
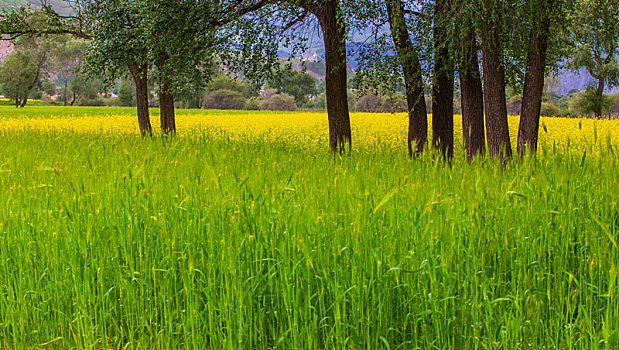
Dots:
{"x": 599, "y": 94}
{"x": 334, "y": 33}
{"x": 472, "y": 96}
{"x": 166, "y": 98}
{"x": 140, "y": 76}
{"x": 443, "y": 83}
{"x": 497, "y": 127}
{"x": 413, "y": 80}
{"x": 74, "y": 98}
{"x": 534, "y": 80}
{"x": 166, "y": 107}
{"x": 24, "y": 101}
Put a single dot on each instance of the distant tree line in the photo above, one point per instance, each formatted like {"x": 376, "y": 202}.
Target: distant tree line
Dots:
{"x": 417, "y": 56}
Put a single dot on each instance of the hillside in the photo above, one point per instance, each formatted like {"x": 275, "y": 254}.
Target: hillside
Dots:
{"x": 13, "y": 3}
{"x": 61, "y": 6}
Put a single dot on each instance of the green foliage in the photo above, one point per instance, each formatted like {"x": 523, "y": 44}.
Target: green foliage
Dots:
{"x": 67, "y": 56}
{"x": 117, "y": 38}
{"x": 589, "y": 102}
{"x": 300, "y": 85}
{"x": 16, "y": 74}
{"x": 369, "y": 103}
{"x": 596, "y": 38}
{"x": 224, "y": 99}
{"x": 224, "y": 82}
{"x": 86, "y": 92}
{"x": 254, "y": 245}
{"x": 318, "y": 103}
{"x": 126, "y": 94}
{"x": 549, "y": 109}
{"x": 50, "y": 88}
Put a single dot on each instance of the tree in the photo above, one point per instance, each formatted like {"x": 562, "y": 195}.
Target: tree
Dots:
{"x": 443, "y": 81}
{"x": 67, "y": 59}
{"x": 596, "y": 37}
{"x": 590, "y": 102}
{"x": 16, "y": 74}
{"x": 117, "y": 45}
{"x": 300, "y": 85}
{"x": 330, "y": 17}
{"x": 39, "y": 48}
{"x": 413, "y": 80}
{"x": 472, "y": 96}
{"x": 541, "y": 14}
{"x": 492, "y": 29}
{"x": 181, "y": 53}
{"x": 126, "y": 94}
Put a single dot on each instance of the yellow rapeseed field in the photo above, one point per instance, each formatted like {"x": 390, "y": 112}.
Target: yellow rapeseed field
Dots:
{"x": 311, "y": 129}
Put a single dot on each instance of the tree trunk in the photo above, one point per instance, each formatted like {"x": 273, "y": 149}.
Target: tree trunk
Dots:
{"x": 166, "y": 98}
{"x": 599, "y": 94}
{"x": 443, "y": 84}
{"x": 24, "y": 101}
{"x": 472, "y": 97}
{"x": 74, "y": 97}
{"x": 334, "y": 33}
{"x": 66, "y": 86}
{"x": 16, "y": 101}
{"x": 166, "y": 107}
{"x": 534, "y": 81}
{"x": 413, "y": 81}
{"x": 140, "y": 76}
{"x": 497, "y": 127}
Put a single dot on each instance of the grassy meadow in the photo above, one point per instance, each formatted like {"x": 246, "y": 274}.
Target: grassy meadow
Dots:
{"x": 244, "y": 233}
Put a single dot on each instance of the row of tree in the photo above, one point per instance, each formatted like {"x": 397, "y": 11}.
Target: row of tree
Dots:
{"x": 177, "y": 42}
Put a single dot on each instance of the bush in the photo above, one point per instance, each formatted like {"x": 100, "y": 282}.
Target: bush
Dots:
{"x": 97, "y": 101}
{"x": 279, "y": 102}
{"x": 370, "y": 103}
{"x": 224, "y": 99}
{"x": 224, "y": 82}
{"x": 550, "y": 109}
{"x": 318, "y": 103}
{"x": 394, "y": 104}
{"x": 253, "y": 104}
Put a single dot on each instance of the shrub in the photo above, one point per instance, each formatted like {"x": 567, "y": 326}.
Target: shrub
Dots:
{"x": 224, "y": 99}
{"x": 394, "y": 104}
{"x": 369, "y": 103}
{"x": 279, "y": 102}
{"x": 550, "y": 109}
{"x": 96, "y": 101}
{"x": 253, "y": 104}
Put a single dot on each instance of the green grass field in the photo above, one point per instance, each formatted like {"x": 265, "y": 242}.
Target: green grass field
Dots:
{"x": 194, "y": 242}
